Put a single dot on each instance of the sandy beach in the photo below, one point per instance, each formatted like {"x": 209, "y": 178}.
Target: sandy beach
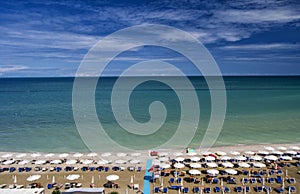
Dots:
{"x": 126, "y": 177}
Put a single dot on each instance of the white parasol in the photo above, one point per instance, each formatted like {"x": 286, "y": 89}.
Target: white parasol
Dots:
{"x": 106, "y": 154}
{"x": 112, "y": 177}
{"x": 179, "y": 165}
{"x": 78, "y": 155}
{"x": 240, "y": 158}
{"x": 227, "y": 164}
{"x": 136, "y": 154}
{"x": 269, "y": 148}
{"x": 50, "y": 155}
{"x": 163, "y": 159}
{"x": 64, "y": 155}
{"x": 286, "y": 157}
{"x": 231, "y": 171}
{"x": 7, "y": 155}
{"x": 209, "y": 158}
{"x": 225, "y": 158}
{"x": 21, "y": 155}
{"x": 177, "y": 154}
{"x": 271, "y": 157}
{"x": 8, "y": 162}
{"x": 212, "y": 165}
{"x": 102, "y": 162}
{"x": 257, "y": 158}
{"x": 71, "y": 162}
{"x": 259, "y": 165}
{"x": 39, "y": 162}
{"x": 291, "y": 152}
{"x": 165, "y": 165}
{"x": 23, "y": 162}
{"x": 262, "y": 152}
{"x": 33, "y": 177}
{"x": 244, "y": 165}
{"x": 212, "y": 172}
{"x": 134, "y": 161}
{"x": 192, "y": 154}
{"x": 249, "y": 152}
{"x": 121, "y": 154}
{"x": 73, "y": 177}
{"x": 35, "y": 155}
{"x": 179, "y": 159}
{"x": 195, "y": 159}
{"x": 92, "y": 154}
{"x": 162, "y": 154}
{"x": 55, "y": 162}
{"x": 195, "y": 165}
{"x": 220, "y": 153}
{"x": 86, "y": 162}
{"x": 120, "y": 161}
{"x": 194, "y": 172}
{"x": 276, "y": 152}
{"x": 282, "y": 148}
{"x": 235, "y": 153}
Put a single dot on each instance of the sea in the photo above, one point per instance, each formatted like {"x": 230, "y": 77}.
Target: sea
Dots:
{"x": 36, "y": 114}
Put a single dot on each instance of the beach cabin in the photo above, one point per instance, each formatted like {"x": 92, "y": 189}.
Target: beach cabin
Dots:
{"x": 84, "y": 191}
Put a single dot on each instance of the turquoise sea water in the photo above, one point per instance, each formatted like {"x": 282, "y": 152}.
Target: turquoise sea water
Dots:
{"x": 36, "y": 113}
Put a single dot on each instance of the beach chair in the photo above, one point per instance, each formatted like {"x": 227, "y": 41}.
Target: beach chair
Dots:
{"x": 207, "y": 190}
{"x": 231, "y": 181}
{"x": 92, "y": 168}
{"x": 279, "y": 179}
{"x": 165, "y": 190}
{"x": 226, "y": 190}
{"x": 171, "y": 180}
{"x": 247, "y": 188}
{"x": 27, "y": 169}
{"x": 106, "y": 169}
{"x": 12, "y": 169}
{"x": 291, "y": 180}
{"x": 267, "y": 188}
{"x": 215, "y": 180}
{"x": 115, "y": 168}
{"x": 2, "y": 186}
{"x": 196, "y": 190}
{"x": 58, "y": 169}
{"x": 139, "y": 169}
{"x": 238, "y": 189}
{"x": 245, "y": 180}
{"x": 156, "y": 189}
{"x": 279, "y": 172}
{"x": 49, "y": 186}
{"x": 217, "y": 189}
{"x": 101, "y": 168}
{"x": 279, "y": 190}
{"x": 258, "y": 189}
{"x": 271, "y": 180}
{"x": 185, "y": 190}
{"x": 253, "y": 180}
{"x": 260, "y": 180}
{"x": 179, "y": 180}
{"x": 271, "y": 172}
{"x": 291, "y": 189}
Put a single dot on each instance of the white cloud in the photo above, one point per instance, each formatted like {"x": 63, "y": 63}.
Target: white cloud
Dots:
{"x": 12, "y": 68}
{"x": 261, "y": 46}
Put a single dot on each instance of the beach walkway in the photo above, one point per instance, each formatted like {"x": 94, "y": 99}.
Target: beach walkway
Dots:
{"x": 147, "y": 177}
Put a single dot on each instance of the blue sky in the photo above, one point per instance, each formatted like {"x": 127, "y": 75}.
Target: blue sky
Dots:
{"x": 50, "y": 38}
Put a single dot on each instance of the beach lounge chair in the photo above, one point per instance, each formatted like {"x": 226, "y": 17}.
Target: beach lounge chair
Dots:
{"x": 245, "y": 172}
{"x": 171, "y": 180}
{"x": 2, "y": 186}
{"x": 139, "y": 169}
{"x": 226, "y": 190}
{"x": 260, "y": 180}
{"x": 185, "y": 190}
{"x": 279, "y": 172}
{"x": 156, "y": 189}
{"x": 58, "y": 169}
{"x": 207, "y": 190}
{"x": 92, "y": 168}
{"x": 271, "y": 180}
{"x": 279, "y": 190}
{"x": 115, "y": 168}
{"x": 245, "y": 180}
{"x": 49, "y": 186}
{"x": 253, "y": 180}
{"x": 258, "y": 189}
{"x": 12, "y": 169}
{"x": 238, "y": 189}
{"x": 271, "y": 172}
{"x": 217, "y": 189}
{"x": 196, "y": 189}
{"x": 247, "y": 188}
{"x": 279, "y": 179}
{"x": 291, "y": 180}
{"x": 106, "y": 169}
{"x": 136, "y": 186}
{"x": 231, "y": 181}
{"x": 165, "y": 190}
{"x": 291, "y": 188}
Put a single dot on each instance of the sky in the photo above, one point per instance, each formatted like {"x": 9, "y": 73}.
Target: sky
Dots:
{"x": 247, "y": 37}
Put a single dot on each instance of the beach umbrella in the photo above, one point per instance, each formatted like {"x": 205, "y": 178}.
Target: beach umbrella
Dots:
{"x": 120, "y": 161}
{"x": 134, "y": 161}
{"x": 209, "y": 158}
{"x": 64, "y": 155}
{"x": 262, "y": 152}
{"x": 8, "y": 155}
{"x": 276, "y": 152}
{"x": 165, "y": 165}
{"x": 106, "y": 154}
{"x": 39, "y": 162}
{"x": 227, "y": 164}
{"x": 259, "y": 165}
{"x": 73, "y": 177}
{"x": 34, "y": 177}
{"x": 295, "y": 147}
{"x": 194, "y": 172}
{"x": 240, "y": 158}
{"x": 50, "y": 155}
{"x": 78, "y": 155}
{"x": 249, "y": 152}
{"x": 290, "y": 152}
{"x": 195, "y": 159}
{"x": 298, "y": 156}
{"x": 121, "y": 154}
{"x": 162, "y": 154}
{"x": 212, "y": 165}
{"x": 163, "y": 159}
{"x": 21, "y": 155}
{"x": 212, "y": 172}
{"x": 192, "y": 154}
{"x": 269, "y": 148}
{"x": 71, "y": 162}
{"x": 92, "y": 154}
{"x": 136, "y": 154}
{"x": 243, "y": 165}
{"x": 112, "y": 177}
{"x": 8, "y": 162}
{"x": 23, "y": 162}
{"x": 195, "y": 165}
{"x": 55, "y": 162}
{"x": 179, "y": 165}
{"x": 235, "y": 153}
{"x": 225, "y": 158}
{"x": 282, "y": 148}
{"x": 53, "y": 179}
{"x": 231, "y": 171}
{"x": 286, "y": 157}
{"x": 206, "y": 153}
{"x": 220, "y": 153}
{"x": 177, "y": 154}
{"x": 102, "y": 162}
{"x": 86, "y": 162}
{"x": 271, "y": 157}
{"x": 257, "y": 158}
{"x": 179, "y": 159}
